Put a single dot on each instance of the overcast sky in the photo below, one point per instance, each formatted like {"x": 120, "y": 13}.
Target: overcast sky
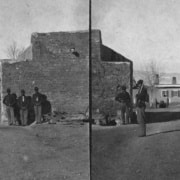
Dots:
{"x": 19, "y": 18}
{"x": 141, "y": 30}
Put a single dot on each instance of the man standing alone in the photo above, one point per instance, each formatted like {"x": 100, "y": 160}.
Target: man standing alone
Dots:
{"x": 37, "y": 101}
{"x": 9, "y": 101}
{"x": 123, "y": 98}
{"x": 141, "y": 98}
{"x": 23, "y": 105}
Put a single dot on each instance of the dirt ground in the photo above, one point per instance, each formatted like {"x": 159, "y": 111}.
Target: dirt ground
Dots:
{"x": 45, "y": 152}
{"x": 119, "y": 154}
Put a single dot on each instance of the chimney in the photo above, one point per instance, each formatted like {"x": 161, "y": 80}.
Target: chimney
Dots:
{"x": 156, "y": 79}
{"x": 174, "y": 80}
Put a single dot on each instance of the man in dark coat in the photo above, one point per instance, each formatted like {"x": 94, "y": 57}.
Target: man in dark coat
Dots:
{"x": 23, "y": 105}
{"x": 16, "y": 110}
{"x": 9, "y": 101}
{"x": 37, "y": 102}
{"x": 141, "y": 98}
{"x": 124, "y": 99}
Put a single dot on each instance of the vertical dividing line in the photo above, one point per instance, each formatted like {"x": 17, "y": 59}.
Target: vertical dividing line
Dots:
{"x": 90, "y": 89}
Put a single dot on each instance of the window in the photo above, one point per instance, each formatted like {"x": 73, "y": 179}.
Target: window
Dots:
{"x": 165, "y": 93}
{"x": 175, "y": 93}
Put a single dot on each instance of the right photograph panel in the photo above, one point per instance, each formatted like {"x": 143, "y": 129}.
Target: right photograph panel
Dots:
{"x": 135, "y": 90}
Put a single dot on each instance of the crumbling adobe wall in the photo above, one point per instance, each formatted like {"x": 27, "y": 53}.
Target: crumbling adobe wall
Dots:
{"x": 104, "y": 87}
{"x": 60, "y": 74}
{"x": 108, "y": 70}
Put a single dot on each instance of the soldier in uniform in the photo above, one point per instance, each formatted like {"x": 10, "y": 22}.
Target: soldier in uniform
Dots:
{"x": 123, "y": 98}
{"x": 9, "y": 101}
{"x": 37, "y": 102}
{"x": 16, "y": 110}
{"x": 141, "y": 98}
{"x": 23, "y": 105}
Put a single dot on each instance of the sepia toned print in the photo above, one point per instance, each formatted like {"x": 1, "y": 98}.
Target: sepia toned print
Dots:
{"x": 44, "y": 90}
{"x": 135, "y": 90}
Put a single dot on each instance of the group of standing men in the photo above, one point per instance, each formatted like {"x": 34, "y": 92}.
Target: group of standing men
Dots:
{"x": 23, "y": 103}
{"x": 124, "y": 99}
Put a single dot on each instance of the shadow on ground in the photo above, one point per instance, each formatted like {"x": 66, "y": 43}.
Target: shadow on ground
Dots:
{"x": 163, "y": 132}
{"x": 155, "y": 117}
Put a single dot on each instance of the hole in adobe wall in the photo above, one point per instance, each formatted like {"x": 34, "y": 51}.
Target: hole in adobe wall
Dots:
{"x": 76, "y": 54}
{"x": 73, "y": 51}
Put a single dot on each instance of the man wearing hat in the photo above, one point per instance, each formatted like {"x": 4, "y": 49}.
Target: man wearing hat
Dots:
{"x": 123, "y": 98}
{"x": 141, "y": 98}
{"x": 23, "y": 105}
{"x": 37, "y": 102}
{"x": 9, "y": 101}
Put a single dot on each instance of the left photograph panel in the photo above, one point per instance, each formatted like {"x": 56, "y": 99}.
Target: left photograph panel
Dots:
{"x": 44, "y": 76}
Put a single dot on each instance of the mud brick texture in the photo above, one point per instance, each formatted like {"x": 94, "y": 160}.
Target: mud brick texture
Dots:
{"x": 59, "y": 67}
{"x": 108, "y": 70}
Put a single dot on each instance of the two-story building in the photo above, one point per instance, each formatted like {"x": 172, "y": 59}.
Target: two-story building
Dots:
{"x": 167, "y": 92}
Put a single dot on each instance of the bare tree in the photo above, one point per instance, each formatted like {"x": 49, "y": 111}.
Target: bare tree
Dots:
{"x": 13, "y": 51}
{"x": 152, "y": 73}
{"x": 21, "y": 53}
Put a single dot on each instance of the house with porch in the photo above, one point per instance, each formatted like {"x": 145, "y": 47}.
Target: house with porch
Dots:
{"x": 169, "y": 93}
{"x": 167, "y": 90}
